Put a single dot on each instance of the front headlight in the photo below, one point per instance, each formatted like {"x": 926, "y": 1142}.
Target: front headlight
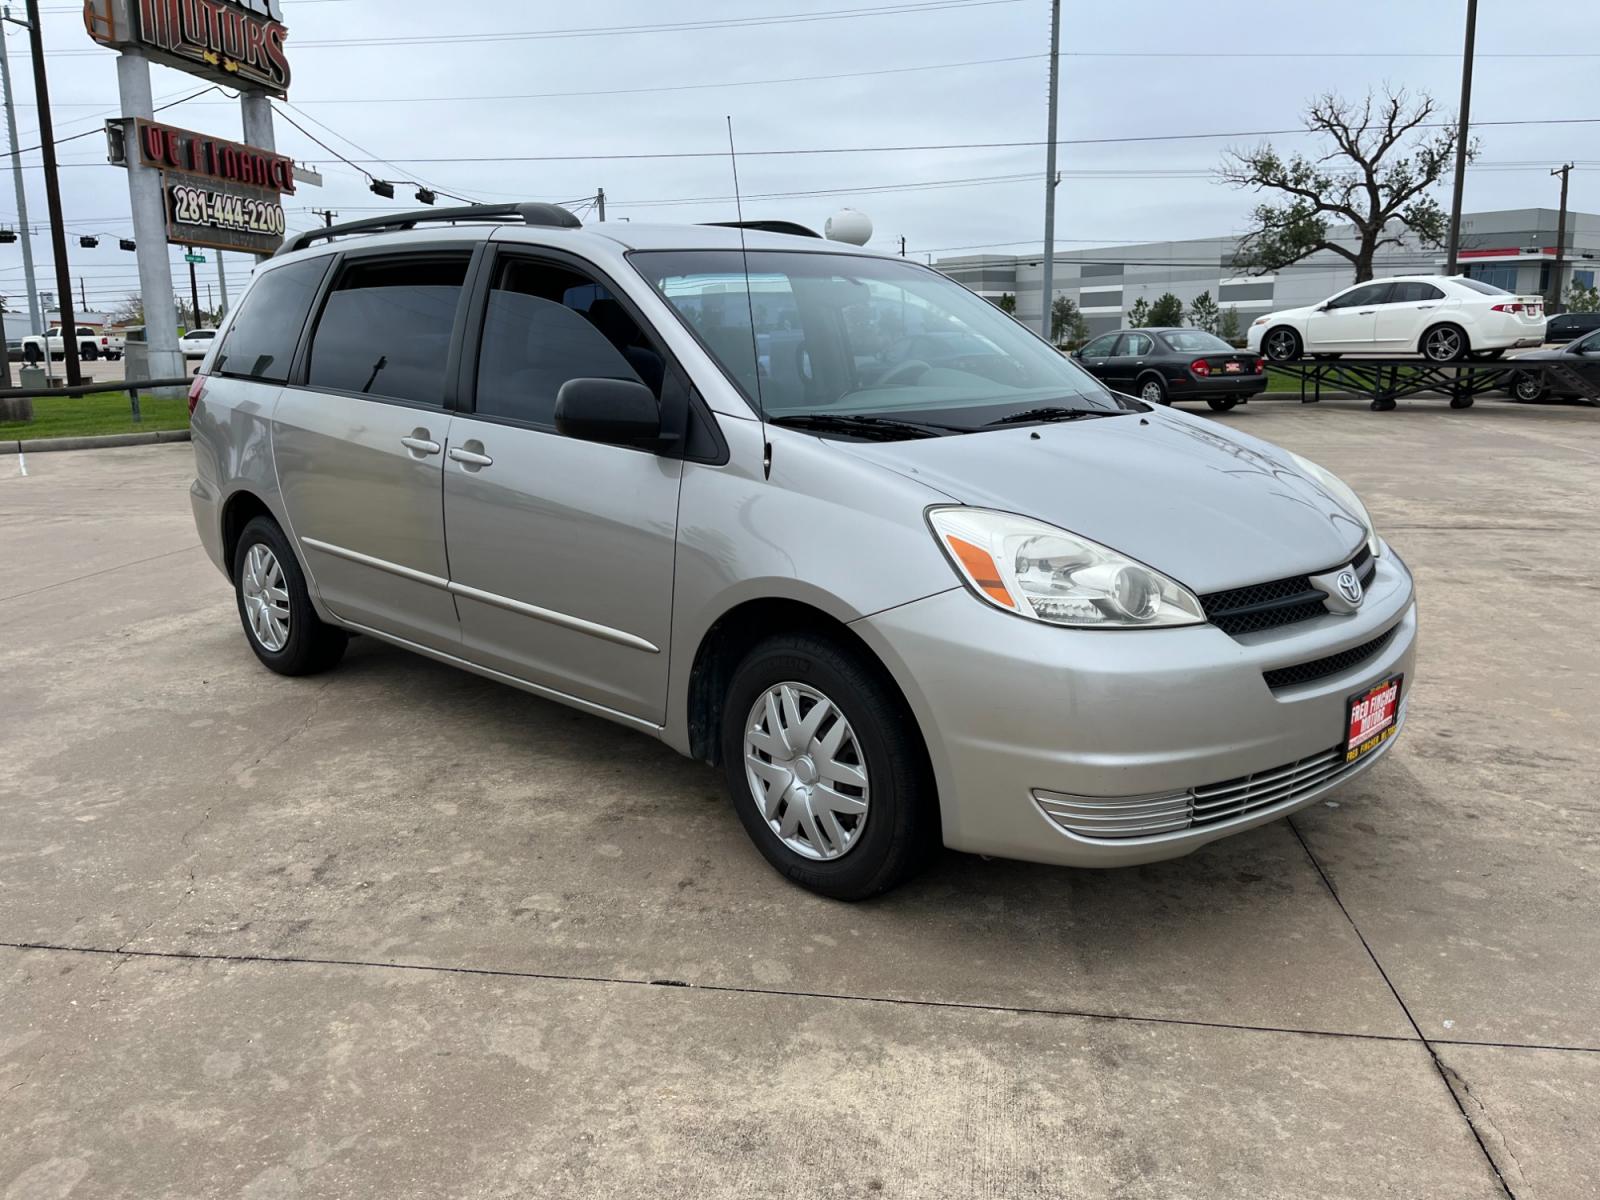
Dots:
{"x": 1260, "y": 320}
{"x": 1047, "y": 574}
{"x": 1344, "y": 495}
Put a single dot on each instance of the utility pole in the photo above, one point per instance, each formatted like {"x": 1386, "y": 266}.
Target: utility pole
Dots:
{"x": 1463, "y": 126}
{"x": 52, "y": 193}
{"x": 902, "y": 247}
{"x": 327, "y": 215}
{"x": 83, "y": 291}
{"x": 222, "y": 286}
{"x": 35, "y": 320}
{"x": 600, "y": 204}
{"x": 1047, "y": 284}
{"x": 1553, "y": 296}
{"x": 194, "y": 295}
{"x": 211, "y": 300}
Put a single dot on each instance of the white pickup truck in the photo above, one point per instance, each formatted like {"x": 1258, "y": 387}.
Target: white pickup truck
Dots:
{"x": 92, "y": 344}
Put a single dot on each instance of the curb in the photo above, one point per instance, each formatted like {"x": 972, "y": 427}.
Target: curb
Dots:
{"x": 101, "y": 441}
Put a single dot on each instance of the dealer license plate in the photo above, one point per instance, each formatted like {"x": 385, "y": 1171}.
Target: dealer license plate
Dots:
{"x": 1371, "y": 718}
{"x": 1232, "y": 368}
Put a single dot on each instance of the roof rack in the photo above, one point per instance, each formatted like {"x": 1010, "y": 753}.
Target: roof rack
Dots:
{"x": 529, "y": 213}
{"x": 790, "y": 227}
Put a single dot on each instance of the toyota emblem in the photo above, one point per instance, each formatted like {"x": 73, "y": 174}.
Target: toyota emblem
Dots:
{"x": 1349, "y": 586}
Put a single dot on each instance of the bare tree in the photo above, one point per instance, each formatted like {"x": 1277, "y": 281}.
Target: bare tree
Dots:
{"x": 1387, "y": 153}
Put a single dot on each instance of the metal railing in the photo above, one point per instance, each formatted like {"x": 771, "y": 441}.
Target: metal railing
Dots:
{"x": 132, "y": 386}
{"x": 1384, "y": 381}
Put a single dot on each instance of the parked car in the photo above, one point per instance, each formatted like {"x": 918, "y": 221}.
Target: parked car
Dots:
{"x": 196, "y": 342}
{"x": 1162, "y": 366}
{"x": 1443, "y": 318}
{"x": 898, "y": 603}
{"x": 92, "y": 344}
{"x": 1570, "y": 326}
{"x": 1581, "y": 356}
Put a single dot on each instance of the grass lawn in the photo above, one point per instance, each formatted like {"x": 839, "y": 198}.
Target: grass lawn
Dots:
{"x": 102, "y": 412}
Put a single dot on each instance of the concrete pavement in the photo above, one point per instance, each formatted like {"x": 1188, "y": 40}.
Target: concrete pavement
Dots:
{"x": 400, "y": 931}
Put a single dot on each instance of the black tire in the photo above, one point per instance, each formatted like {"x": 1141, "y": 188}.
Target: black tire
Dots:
{"x": 88, "y": 352}
{"x": 901, "y": 823}
{"x": 311, "y": 646}
{"x": 1282, "y": 344}
{"x": 1445, "y": 343}
{"x": 1529, "y": 389}
{"x": 1154, "y": 385}
{"x": 1222, "y": 403}
{"x": 1461, "y": 401}
{"x": 31, "y": 356}
{"x": 1382, "y": 405}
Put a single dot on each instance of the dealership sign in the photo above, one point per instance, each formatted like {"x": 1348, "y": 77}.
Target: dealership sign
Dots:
{"x": 224, "y": 216}
{"x": 170, "y": 149}
{"x": 231, "y": 42}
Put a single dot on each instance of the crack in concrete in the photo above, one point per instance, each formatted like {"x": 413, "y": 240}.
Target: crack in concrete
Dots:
{"x": 1463, "y": 1090}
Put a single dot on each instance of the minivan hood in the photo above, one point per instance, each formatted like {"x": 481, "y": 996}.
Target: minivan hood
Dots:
{"x": 1210, "y": 507}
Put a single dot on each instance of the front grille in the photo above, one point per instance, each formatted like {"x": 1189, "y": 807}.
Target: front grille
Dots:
{"x": 1261, "y": 606}
{"x": 1333, "y": 664}
{"x": 1203, "y": 807}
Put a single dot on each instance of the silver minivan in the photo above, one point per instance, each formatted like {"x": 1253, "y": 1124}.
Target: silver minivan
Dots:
{"x": 814, "y": 514}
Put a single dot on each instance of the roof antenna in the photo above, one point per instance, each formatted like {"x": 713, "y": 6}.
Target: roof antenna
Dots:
{"x": 750, "y": 304}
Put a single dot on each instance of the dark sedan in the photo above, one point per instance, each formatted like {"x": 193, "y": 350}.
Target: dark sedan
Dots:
{"x": 1582, "y": 358}
{"x": 1162, "y": 366}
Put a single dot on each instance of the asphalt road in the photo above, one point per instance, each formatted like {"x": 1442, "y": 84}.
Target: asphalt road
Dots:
{"x": 399, "y": 931}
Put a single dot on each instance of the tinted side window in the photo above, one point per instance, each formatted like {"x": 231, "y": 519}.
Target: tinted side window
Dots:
{"x": 385, "y": 330}
{"x": 261, "y": 341}
{"x": 547, "y": 324}
{"x": 1414, "y": 292}
{"x": 1100, "y": 347}
{"x": 1134, "y": 344}
{"x": 1372, "y": 293}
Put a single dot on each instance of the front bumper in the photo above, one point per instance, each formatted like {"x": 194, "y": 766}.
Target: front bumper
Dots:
{"x": 1015, "y": 713}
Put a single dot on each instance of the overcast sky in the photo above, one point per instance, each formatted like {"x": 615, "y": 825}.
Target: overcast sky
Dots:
{"x": 406, "y": 81}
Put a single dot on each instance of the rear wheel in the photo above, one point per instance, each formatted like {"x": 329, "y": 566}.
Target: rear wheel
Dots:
{"x": 275, "y": 608}
{"x": 31, "y": 355}
{"x": 825, "y": 767}
{"x": 1282, "y": 344}
{"x": 1445, "y": 343}
{"x": 1222, "y": 403}
{"x": 88, "y": 352}
{"x": 1152, "y": 390}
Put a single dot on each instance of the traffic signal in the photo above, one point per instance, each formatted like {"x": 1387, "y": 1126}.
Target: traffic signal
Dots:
{"x": 426, "y": 195}
{"x": 88, "y": 242}
{"x": 383, "y": 188}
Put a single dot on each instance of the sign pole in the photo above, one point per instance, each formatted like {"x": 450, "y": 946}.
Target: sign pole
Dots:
{"x": 150, "y": 228}
{"x": 24, "y": 234}
{"x": 194, "y": 296}
{"x": 52, "y": 193}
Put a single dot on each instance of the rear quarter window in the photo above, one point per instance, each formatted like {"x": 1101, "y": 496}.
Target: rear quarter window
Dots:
{"x": 262, "y": 339}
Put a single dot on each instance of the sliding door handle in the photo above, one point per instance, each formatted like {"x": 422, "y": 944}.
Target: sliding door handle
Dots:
{"x": 470, "y": 458}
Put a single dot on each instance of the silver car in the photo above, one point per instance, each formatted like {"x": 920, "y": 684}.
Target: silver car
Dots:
{"x": 816, "y": 515}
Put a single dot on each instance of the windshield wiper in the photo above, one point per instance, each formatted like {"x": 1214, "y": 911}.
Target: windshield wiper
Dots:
{"x": 863, "y": 423}
{"x": 1052, "y": 413}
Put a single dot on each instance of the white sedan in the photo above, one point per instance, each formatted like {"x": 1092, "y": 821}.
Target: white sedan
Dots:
{"x": 1443, "y": 318}
{"x": 197, "y": 342}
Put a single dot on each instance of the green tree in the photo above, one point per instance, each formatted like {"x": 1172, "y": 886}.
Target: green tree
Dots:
{"x": 1167, "y": 310}
{"x": 1067, "y": 325}
{"x": 1386, "y": 154}
{"x": 1203, "y": 313}
{"x": 1007, "y": 303}
{"x": 1582, "y": 299}
{"x": 1228, "y": 326}
{"x": 1139, "y": 314}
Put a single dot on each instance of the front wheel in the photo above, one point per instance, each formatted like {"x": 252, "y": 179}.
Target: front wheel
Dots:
{"x": 275, "y": 608}
{"x": 1528, "y": 388}
{"x": 1152, "y": 390}
{"x": 1222, "y": 403}
{"x": 1445, "y": 343}
{"x": 825, "y": 767}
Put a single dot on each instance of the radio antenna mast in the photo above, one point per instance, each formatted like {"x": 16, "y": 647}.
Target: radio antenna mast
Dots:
{"x": 750, "y": 304}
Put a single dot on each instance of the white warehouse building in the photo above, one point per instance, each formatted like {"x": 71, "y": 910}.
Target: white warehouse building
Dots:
{"x": 1514, "y": 249}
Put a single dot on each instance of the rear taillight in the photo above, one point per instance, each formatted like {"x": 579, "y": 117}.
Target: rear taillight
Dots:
{"x": 196, "y": 390}
{"x": 1517, "y": 307}
{"x": 105, "y": 341}
{"x": 1200, "y": 367}
{"x": 1261, "y": 365}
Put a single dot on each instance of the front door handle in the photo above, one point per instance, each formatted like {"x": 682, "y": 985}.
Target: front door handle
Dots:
{"x": 1366, "y": 312}
{"x": 420, "y": 445}
{"x": 471, "y": 458}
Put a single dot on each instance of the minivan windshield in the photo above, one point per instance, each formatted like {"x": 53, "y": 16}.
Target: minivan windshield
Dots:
{"x": 868, "y": 346}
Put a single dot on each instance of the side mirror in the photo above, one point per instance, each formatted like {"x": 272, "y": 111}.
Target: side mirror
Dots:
{"x": 617, "y": 412}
